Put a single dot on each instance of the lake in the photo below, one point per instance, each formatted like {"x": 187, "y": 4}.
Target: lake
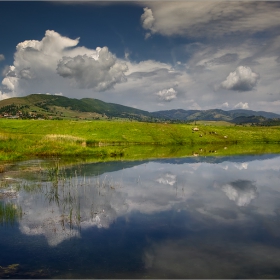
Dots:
{"x": 194, "y": 217}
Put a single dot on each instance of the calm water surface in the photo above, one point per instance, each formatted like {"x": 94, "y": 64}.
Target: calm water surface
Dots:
{"x": 179, "y": 218}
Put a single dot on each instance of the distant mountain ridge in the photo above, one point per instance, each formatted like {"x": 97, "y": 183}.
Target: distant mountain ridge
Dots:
{"x": 212, "y": 114}
{"x": 55, "y": 106}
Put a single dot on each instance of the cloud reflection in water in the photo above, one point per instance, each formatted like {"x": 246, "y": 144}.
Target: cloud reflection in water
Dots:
{"x": 241, "y": 191}
{"x": 162, "y": 187}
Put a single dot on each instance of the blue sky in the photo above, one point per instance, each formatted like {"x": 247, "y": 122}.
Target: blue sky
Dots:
{"x": 150, "y": 55}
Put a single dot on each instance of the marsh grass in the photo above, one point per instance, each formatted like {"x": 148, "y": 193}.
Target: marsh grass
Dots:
{"x": 64, "y": 138}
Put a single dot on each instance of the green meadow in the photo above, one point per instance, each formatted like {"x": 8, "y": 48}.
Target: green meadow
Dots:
{"x": 21, "y": 139}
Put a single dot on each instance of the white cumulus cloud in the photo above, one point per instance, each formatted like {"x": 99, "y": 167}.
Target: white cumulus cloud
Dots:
{"x": 4, "y": 95}
{"x": 241, "y": 105}
{"x": 242, "y": 79}
{"x": 25, "y": 74}
{"x": 167, "y": 94}
{"x": 10, "y": 80}
{"x": 42, "y": 66}
{"x": 148, "y": 20}
{"x": 2, "y": 57}
{"x": 88, "y": 72}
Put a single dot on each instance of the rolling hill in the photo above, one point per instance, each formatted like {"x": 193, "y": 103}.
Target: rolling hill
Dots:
{"x": 54, "y": 106}
{"x": 61, "y": 107}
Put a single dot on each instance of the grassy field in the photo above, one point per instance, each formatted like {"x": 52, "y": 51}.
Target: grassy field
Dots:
{"x": 28, "y": 138}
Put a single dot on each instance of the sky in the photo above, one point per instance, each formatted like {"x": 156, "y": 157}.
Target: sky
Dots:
{"x": 152, "y": 55}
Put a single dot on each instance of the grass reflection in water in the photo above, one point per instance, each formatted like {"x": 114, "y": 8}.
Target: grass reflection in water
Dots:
{"x": 63, "y": 194}
{"x": 9, "y": 213}
{"x": 67, "y": 192}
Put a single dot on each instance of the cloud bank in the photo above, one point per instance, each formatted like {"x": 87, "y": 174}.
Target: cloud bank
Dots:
{"x": 193, "y": 19}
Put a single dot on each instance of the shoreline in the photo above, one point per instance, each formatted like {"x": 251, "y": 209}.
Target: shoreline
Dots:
{"x": 20, "y": 139}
